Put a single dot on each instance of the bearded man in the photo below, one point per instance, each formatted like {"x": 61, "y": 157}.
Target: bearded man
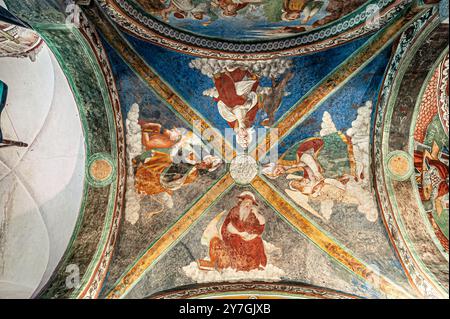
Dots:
{"x": 306, "y": 162}
{"x": 236, "y": 243}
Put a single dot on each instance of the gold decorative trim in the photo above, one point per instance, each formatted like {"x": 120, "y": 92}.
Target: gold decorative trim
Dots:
{"x": 292, "y": 215}
{"x": 332, "y": 83}
{"x": 148, "y": 75}
{"x": 253, "y": 290}
{"x": 170, "y": 237}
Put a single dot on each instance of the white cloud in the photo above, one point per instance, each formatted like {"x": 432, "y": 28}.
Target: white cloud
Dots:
{"x": 360, "y": 135}
{"x": 263, "y": 68}
{"x": 270, "y": 274}
{"x": 328, "y": 126}
{"x": 134, "y": 148}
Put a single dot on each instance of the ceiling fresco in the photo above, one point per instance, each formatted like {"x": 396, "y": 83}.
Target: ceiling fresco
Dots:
{"x": 321, "y": 25}
{"x": 195, "y": 79}
{"x": 247, "y": 19}
{"x": 431, "y": 150}
{"x": 299, "y": 149}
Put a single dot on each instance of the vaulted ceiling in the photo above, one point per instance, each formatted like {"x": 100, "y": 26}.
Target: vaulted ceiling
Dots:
{"x": 253, "y": 148}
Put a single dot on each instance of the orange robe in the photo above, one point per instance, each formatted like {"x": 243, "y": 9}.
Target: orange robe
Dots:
{"x": 148, "y": 175}
{"x": 235, "y": 252}
{"x": 294, "y": 5}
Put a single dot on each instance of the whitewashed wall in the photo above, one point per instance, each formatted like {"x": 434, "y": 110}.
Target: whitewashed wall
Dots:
{"x": 40, "y": 186}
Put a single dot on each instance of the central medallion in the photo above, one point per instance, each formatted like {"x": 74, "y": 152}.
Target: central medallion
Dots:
{"x": 243, "y": 169}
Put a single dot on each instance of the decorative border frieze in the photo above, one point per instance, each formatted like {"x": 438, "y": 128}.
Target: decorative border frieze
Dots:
{"x": 352, "y": 26}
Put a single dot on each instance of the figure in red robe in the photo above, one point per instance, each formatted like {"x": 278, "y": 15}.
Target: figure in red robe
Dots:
{"x": 237, "y": 242}
{"x": 237, "y": 100}
{"x": 236, "y": 97}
